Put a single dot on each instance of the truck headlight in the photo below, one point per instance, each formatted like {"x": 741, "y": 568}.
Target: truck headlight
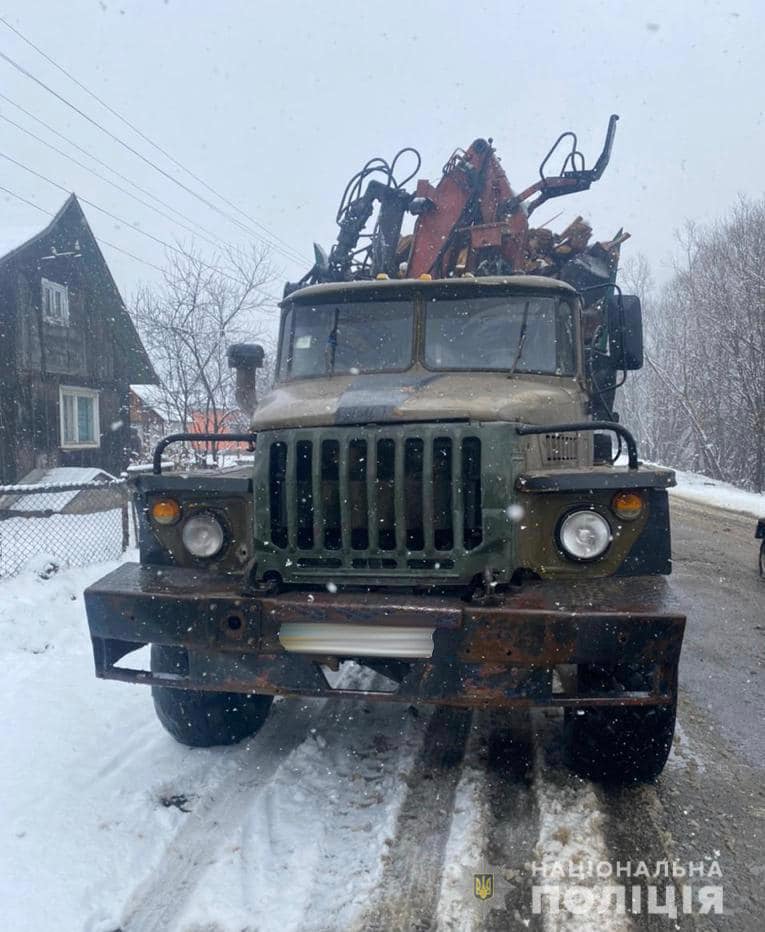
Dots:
{"x": 203, "y": 535}
{"x": 584, "y": 535}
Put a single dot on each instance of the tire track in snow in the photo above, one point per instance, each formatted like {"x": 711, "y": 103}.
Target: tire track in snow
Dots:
{"x": 157, "y": 904}
{"x": 464, "y": 852}
{"x": 635, "y": 829}
{"x": 407, "y": 896}
{"x": 572, "y": 826}
{"x": 290, "y": 832}
{"x": 529, "y": 810}
{"x": 493, "y": 829}
{"x": 514, "y": 824}
{"x": 328, "y": 816}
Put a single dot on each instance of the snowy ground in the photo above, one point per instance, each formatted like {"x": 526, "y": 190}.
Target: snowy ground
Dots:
{"x": 110, "y": 825}
{"x": 108, "y": 820}
{"x": 355, "y": 816}
{"x": 694, "y": 487}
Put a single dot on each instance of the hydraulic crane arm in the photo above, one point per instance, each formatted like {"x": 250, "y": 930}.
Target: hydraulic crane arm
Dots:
{"x": 570, "y": 180}
{"x": 472, "y": 189}
{"x": 471, "y": 221}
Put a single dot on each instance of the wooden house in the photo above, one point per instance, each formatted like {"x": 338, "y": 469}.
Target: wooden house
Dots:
{"x": 68, "y": 353}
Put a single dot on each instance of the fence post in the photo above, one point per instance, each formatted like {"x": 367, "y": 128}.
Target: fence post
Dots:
{"x": 125, "y": 519}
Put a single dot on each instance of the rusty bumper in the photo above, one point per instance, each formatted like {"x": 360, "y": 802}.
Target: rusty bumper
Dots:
{"x": 521, "y": 651}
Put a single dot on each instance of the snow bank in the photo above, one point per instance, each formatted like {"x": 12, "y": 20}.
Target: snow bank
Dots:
{"x": 694, "y": 487}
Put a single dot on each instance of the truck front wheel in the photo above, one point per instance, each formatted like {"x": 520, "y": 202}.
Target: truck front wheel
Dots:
{"x": 619, "y": 744}
{"x": 203, "y": 719}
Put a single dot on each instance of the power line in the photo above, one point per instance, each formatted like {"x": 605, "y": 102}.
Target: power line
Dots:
{"x": 132, "y": 226}
{"x": 140, "y": 155}
{"x": 100, "y": 162}
{"x": 145, "y": 138}
{"x": 105, "y": 165}
{"x": 103, "y": 178}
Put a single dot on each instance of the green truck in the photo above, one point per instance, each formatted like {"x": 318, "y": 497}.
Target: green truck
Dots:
{"x": 434, "y": 495}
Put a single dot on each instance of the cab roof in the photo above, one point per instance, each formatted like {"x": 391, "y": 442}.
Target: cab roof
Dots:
{"x": 403, "y": 287}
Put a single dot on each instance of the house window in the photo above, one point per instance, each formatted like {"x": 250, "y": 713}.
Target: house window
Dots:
{"x": 55, "y": 301}
{"x": 79, "y": 417}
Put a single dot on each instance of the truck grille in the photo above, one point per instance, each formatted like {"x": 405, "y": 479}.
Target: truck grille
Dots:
{"x": 561, "y": 448}
{"x": 375, "y": 498}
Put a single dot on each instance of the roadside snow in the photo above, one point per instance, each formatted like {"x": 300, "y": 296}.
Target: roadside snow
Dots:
{"x": 76, "y": 795}
{"x": 694, "y": 487}
{"x": 109, "y": 824}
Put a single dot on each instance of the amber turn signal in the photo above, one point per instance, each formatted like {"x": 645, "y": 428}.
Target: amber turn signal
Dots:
{"x": 165, "y": 511}
{"x": 627, "y": 505}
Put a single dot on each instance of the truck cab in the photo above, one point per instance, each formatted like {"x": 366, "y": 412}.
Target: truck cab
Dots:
{"x": 435, "y": 496}
{"x": 392, "y": 456}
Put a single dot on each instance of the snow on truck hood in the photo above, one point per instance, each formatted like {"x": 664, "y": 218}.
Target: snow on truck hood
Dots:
{"x": 419, "y": 395}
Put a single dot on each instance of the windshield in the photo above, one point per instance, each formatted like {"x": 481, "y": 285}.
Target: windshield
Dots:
{"x": 514, "y": 333}
{"x": 335, "y": 339}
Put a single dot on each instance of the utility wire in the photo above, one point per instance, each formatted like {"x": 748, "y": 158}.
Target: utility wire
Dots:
{"x": 145, "y": 138}
{"x": 103, "y": 164}
{"x": 103, "y": 178}
{"x": 134, "y": 151}
{"x": 132, "y": 226}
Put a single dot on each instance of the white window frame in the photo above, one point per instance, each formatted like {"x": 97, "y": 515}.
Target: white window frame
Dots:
{"x": 59, "y": 303}
{"x": 71, "y": 391}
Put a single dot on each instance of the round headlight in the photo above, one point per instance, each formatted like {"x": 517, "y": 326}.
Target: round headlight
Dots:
{"x": 203, "y": 535}
{"x": 584, "y": 535}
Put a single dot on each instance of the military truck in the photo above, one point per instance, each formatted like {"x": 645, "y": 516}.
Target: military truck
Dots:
{"x": 434, "y": 495}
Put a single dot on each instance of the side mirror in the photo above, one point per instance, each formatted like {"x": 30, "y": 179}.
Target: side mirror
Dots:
{"x": 320, "y": 259}
{"x": 246, "y": 359}
{"x": 625, "y": 331}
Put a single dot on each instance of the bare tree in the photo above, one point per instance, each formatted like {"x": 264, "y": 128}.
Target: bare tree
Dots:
{"x": 201, "y": 306}
{"x": 700, "y": 401}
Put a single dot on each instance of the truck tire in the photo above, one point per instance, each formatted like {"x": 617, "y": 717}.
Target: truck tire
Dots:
{"x": 619, "y": 744}
{"x": 201, "y": 719}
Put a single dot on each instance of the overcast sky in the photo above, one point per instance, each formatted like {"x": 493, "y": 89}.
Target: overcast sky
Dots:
{"x": 276, "y": 104}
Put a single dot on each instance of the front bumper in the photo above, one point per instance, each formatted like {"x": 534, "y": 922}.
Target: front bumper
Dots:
{"x": 504, "y": 654}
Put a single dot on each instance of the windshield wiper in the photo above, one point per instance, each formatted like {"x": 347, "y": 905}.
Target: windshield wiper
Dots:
{"x": 330, "y": 350}
{"x": 521, "y": 339}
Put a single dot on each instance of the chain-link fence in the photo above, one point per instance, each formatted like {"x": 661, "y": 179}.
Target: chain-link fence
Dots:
{"x": 72, "y": 524}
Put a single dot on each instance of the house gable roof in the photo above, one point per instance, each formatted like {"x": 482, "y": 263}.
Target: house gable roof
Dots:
{"x": 15, "y": 240}
{"x": 141, "y": 369}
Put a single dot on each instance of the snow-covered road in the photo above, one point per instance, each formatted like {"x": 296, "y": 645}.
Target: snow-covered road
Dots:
{"x": 348, "y": 815}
